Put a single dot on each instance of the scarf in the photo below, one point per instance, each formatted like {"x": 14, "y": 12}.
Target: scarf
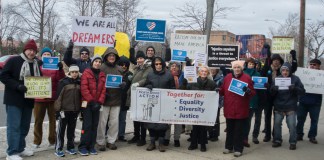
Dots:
{"x": 176, "y": 78}
{"x": 25, "y": 70}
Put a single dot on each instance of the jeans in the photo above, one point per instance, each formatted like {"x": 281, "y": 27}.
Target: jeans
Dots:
{"x": 291, "y": 123}
{"x": 314, "y": 111}
{"x": 122, "y": 123}
{"x": 18, "y": 123}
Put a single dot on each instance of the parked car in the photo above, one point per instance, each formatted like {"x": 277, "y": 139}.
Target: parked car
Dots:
{"x": 4, "y": 60}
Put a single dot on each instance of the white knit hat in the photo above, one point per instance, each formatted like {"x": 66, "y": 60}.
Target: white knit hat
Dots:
{"x": 73, "y": 68}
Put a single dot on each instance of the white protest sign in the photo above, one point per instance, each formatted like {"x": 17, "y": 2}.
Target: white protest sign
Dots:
{"x": 282, "y": 45}
{"x": 190, "y": 73}
{"x": 312, "y": 79}
{"x": 200, "y": 59}
{"x": 93, "y": 31}
{"x": 174, "y": 106}
{"x": 283, "y": 83}
{"x": 191, "y": 43}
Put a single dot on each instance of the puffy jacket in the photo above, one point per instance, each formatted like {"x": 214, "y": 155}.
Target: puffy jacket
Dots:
{"x": 69, "y": 95}
{"x": 56, "y": 76}
{"x": 236, "y": 106}
{"x": 91, "y": 89}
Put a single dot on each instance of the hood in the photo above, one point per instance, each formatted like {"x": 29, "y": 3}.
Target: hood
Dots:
{"x": 162, "y": 61}
{"x": 286, "y": 65}
{"x": 276, "y": 56}
{"x": 108, "y": 51}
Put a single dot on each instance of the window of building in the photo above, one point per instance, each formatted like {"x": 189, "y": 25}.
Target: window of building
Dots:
{"x": 224, "y": 37}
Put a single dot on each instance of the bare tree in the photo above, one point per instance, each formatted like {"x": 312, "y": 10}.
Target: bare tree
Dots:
{"x": 103, "y": 5}
{"x": 289, "y": 28}
{"x": 315, "y": 38}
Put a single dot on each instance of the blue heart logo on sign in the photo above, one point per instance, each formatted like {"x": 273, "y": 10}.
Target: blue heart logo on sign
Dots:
{"x": 239, "y": 85}
{"x": 179, "y": 53}
{"x": 150, "y": 25}
{"x": 114, "y": 79}
{"x": 259, "y": 80}
{"x": 50, "y": 60}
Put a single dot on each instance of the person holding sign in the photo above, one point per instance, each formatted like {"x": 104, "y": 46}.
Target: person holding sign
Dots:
{"x": 93, "y": 93}
{"x": 18, "y": 108}
{"x": 111, "y": 106}
{"x": 236, "y": 108}
{"x": 285, "y": 105}
{"x": 83, "y": 62}
{"x": 41, "y": 105}
{"x": 309, "y": 103}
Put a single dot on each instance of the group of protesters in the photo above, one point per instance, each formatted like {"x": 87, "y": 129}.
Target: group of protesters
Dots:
{"x": 81, "y": 92}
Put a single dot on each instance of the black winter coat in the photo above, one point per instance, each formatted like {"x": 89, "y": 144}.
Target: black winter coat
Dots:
{"x": 68, "y": 60}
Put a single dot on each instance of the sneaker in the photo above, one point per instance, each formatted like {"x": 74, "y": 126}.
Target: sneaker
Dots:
{"x": 141, "y": 142}
{"x": 292, "y": 147}
{"x": 133, "y": 140}
{"x": 313, "y": 140}
{"x": 166, "y": 142}
{"x": 93, "y": 151}
{"x": 71, "y": 151}
{"x": 111, "y": 146}
{"x": 255, "y": 140}
{"x": 35, "y": 146}
{"x": 192, "y": 147}
{"x": 151, "y": 147}
{"x": 101, "y": 147}
{"x": 26, "y": 153}
{"x": 266, "y": 139}
{"x": 203, "y": 148}
{"x": 246, "y": 143}
{"x": 237, "y": 154}
{"x": 162, "y": 147}
{"x": 83, "y": 152}
{"x": 227, "y": 151}
{"x": 13, "y": 157}
{"x": 176, "y": 143}
{"x": 59, "y": 153}
{"x": 276, "y": 144}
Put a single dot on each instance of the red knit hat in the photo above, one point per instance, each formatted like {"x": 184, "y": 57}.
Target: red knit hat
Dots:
{"x": 31, "y": 45}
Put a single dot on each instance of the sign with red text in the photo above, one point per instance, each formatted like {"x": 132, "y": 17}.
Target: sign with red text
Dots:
{"x": 174, "y": 106}
{"x": 93, "y": 31}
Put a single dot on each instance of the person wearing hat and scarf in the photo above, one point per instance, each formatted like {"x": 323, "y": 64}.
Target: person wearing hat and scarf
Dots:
{"x": 67, "y": 106}
{"x": 83, "y": 62}
{"x": 93, "y": 92}
{"x": 236, "y": 108}
{"x": 18, "y": 108}
{"x": 41, "y": 105}
{"x": 111, "y": 106}
{"x": 141, "y": 71}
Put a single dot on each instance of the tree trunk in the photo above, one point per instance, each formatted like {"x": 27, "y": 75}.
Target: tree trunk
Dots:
{"x": 209, "y": 18}
{"x": 41, "y": 32}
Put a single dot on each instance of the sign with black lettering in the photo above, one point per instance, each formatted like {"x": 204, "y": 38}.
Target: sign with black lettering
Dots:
{"x": 38, "y": 87}
{"x": 222, "y": 55}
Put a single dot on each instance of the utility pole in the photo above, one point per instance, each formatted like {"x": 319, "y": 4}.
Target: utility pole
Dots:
{"x": 0, "y": 29}
{"x": 301, "y": 34}
{"x": 209, "y": 18}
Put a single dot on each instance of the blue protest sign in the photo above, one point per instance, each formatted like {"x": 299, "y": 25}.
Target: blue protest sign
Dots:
{"x": 236, "y": 86}
{"x": 113, "y": 81}
{"x": 259, "y": 82}
{"x": 179, "y": 55}
{"x": 50, "y": 63}
{"x": 150, "y": 30}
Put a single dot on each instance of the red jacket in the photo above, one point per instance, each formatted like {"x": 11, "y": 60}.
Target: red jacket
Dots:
{"x": 236, "y": 106}
{"x": 90, "y": 90}
{"x": 56, "y": 76}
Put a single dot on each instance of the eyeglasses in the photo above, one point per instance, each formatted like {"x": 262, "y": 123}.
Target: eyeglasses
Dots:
{"x": 158, "y": 64}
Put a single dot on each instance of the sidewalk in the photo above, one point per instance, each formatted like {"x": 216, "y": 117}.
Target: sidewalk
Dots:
{"x": 264, "y": 151}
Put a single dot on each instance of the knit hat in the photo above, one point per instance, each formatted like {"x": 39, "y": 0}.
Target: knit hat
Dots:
{"x": 239, "y": 63}
{"x": 46, "y": 49}
{"x": 73, "y": 68}
{"x": 140, "y": 54}
{"x": 287, "y": 66}
{"x": 84, "y": 49}
{"x": 94, "y": 58}
{"x": 124, "y": 61}
{"x": 31, "y": 44}
{"x": 278, "y": 57}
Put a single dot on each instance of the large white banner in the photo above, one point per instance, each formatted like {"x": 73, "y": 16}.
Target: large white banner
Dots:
{"x": 192, "y": 43}
{"x": 174, "y": 106}
{"x": 312, "y": 79}
{"x": 93, "y": 31}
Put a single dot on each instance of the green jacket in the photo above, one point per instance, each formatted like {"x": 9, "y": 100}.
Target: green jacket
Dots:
{"x": 254, "y": 102}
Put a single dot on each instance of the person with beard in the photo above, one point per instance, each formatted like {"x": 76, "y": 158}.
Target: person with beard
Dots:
{"x": 93, "y": 96}
{"x": 83, "y": 62}
{"x": 111, "y": 106}
{"x": 160, "y": 77}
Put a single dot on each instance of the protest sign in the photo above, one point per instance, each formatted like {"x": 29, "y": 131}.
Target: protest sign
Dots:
{"x": 190, "y": 73}
{"x": 178, "y": 55}
{"x": 113, "y": 81}
{"x": 38, "y": 87}
{"x": 122, "y": 46}
{"x": 191, "y": 43}
{"x": 283, "y": 83}
{"x": 222, "y": 55}
{"x": 50, "y": 63}
{"x": 93, "y": 31}
{"x": 251, "y": 45}
{"x": 282, "y": 45}
{"x": 312, "y": 79}
{"x": 259, "y": 82}
{"x": 236, "y": 86}
{"x": 200, "y": 59}
{"x": 150, "y": 30}
{"x": 174, "y": 106}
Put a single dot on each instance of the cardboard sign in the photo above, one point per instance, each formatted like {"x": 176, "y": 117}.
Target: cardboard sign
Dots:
{"x": 282, "y": 45}
{"x": 150, "y": 30}
{"x": 222, "y": 55}
{"x": 312, "y": 79}
{"x": 50, "y": 63}
{"x": 174, "y": 106}
{"x": 190, "y": 73}
{"x": 191, "y": 43}
{"x": 200, "y": 59}
{"x": 283, "y": 83}
{"x": 113, "y": 81}
{"x": 178, "y": 55}
{"x": 93, "y": 31}
{"x": 38, "y": 87}
{"x": 236, "y": 86}
{"x": 259, "y": 82}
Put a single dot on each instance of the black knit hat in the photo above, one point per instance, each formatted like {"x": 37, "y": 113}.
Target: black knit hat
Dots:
{"x": 140, "y": 54}
{"x": 278, "y": 57}
{"x": 124, "y": 61}
{"x": 84, "y": 49}
{"x": 316, "y": 61}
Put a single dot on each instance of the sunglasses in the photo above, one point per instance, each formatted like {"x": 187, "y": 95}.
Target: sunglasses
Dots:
{"x": 158, "y": 64}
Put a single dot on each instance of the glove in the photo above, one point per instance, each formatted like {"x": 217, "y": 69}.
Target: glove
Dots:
{"x": 246, "y": 90}
{"x": 167, "y": 54}
{"x": 40, "y": 62}
{"x": 134, "y": 85}
{"x": 217, "y": 90}
{"x": 291, "y": 88}
{"x": 150, "y": 87}
{"x": 71, "y": 44}
{"x": 60, "y": 66}
{"x": 130, "y": 77}
{"x": 22, "y": 88}
{"x": 266, "y": 85}
{"x": 91, "y": 103}
{"x": 184, "y": 82}
{"x": 122, "y": 85}
{"x": 96, "y": 106}
{"x": 293, "y": 54}
{"x": 188, "y": 61}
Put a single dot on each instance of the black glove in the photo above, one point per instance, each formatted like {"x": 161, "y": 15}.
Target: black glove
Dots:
{"x": 91, "y": 103}
{"x": 246, "y": 90}
{"x": 167, "y": 54}
{"x": 188, "y": 61}
{"x": 122, "y": 85}
{"x": 150, "y": 87}
{"x": 60, "y": 66}
{"x": 22, "y": 88}
{"x": 184, "y": 82}
{"x": 96, "y": 106}
{"x": 39, "y": 62}
{"x": 266, "y": 85}
{"x": 291, "y": 88}
{"x": 70, "y": 46}
{"x": 293, "y": 54}
{"x": 217, "y": 90}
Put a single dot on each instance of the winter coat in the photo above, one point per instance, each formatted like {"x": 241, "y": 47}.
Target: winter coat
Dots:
{"x": 254, "y": 102}
{"x": 311, "y": 99}
{"x": 124, "y": 94}
{"x": 92, "y": 89}
{"x": 236, "y": 106}
{"x": 56, "y": 76}
{"x": 68, "y": 60}
{"x": 206, "y": 85}
{"x": 69, "y": 95}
